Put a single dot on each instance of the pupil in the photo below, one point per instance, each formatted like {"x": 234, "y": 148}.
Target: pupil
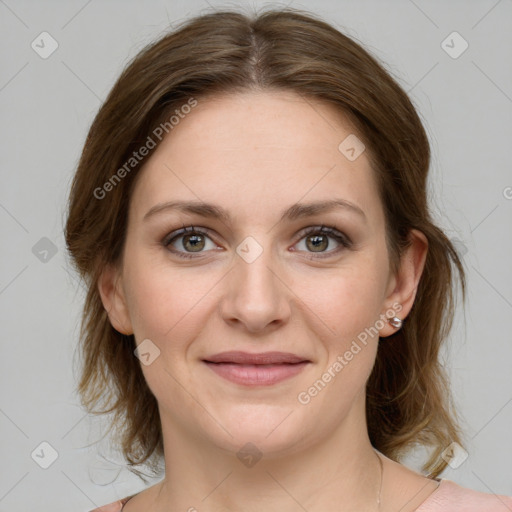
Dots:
{"x": 318, "y": 241}
{"x": 195, "y": 241}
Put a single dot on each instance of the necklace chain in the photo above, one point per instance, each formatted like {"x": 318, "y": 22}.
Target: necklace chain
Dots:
{"x": 381, "y": 478}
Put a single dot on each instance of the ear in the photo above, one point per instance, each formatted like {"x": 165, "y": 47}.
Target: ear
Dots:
{"x": 110, "y": 287}
{"x": 403, "y": 286}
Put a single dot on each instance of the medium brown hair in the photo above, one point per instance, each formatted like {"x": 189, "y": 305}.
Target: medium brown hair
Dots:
{"x": 408, "y": 398}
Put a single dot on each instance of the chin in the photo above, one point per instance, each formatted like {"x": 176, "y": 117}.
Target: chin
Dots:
{"x": 273, "y": 431}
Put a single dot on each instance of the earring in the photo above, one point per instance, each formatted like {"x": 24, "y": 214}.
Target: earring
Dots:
{"x": 395, "y": 322}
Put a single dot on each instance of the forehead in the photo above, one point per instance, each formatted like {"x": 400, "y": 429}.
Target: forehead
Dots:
{"x": 257, "y": 150}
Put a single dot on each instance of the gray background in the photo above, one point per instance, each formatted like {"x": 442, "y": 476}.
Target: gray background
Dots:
{"x": 47, "y": 106}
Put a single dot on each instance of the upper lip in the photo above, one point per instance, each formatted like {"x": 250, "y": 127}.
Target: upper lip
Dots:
{"x": 238, "y": 357}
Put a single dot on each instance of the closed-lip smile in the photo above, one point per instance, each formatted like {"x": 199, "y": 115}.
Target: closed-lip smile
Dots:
{"x": 256, "y": 369}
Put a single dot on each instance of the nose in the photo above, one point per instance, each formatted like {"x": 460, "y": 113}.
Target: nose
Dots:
{"x": 256, "y": 297}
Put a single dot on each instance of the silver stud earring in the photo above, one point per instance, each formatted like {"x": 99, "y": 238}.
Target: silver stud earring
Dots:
{"x": 395, "y": 322}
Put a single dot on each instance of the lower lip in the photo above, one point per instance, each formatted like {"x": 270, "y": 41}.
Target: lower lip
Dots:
{"x": 256, "y": 375}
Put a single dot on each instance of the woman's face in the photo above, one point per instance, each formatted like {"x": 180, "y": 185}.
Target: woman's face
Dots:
{"x": 262, "y": 278}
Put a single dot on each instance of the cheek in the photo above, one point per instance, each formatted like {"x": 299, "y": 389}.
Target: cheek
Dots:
{"x": 349, "y": 302}
{"x": 348, "y": 299}
{"x": 166, "y": 304}
{"x": 350, "y": 348}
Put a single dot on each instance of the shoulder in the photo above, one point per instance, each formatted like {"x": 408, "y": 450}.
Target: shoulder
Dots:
{"x": 451, "y": 496}
{"x": 117, "y": 506}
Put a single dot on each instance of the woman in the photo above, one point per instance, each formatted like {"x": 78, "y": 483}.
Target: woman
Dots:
{"x": 268, "y": 294}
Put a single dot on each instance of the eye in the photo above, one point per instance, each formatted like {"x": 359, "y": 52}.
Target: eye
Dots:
{"x": 316, "y": 240}
{"x": 188, "y": 241}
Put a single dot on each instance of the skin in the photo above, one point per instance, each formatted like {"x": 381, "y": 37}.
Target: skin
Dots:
{"x": 255, "y": 154}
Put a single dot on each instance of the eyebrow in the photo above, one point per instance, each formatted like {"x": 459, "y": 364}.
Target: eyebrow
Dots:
{"x": 294, "y": 212}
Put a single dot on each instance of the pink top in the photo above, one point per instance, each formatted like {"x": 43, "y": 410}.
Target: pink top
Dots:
{"x": 448, "y": 497}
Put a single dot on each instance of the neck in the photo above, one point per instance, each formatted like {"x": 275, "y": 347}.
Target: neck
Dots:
{"x": 341, "y": 469}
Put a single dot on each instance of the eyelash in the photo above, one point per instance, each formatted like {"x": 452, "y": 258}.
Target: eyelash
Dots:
{"x": 323, "y": 229}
